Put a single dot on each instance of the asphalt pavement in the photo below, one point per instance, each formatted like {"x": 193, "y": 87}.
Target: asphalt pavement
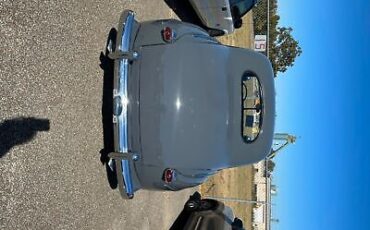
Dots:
{"x": 51, "y": 130}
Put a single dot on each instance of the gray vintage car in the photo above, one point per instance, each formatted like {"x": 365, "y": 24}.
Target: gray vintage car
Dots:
{"x": 185, "y": 106}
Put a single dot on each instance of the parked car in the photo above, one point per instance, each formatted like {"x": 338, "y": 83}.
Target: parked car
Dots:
{"x": 222, "y": 16}
{"x": 204, "y": 214}
{"x": 181, "y": 100}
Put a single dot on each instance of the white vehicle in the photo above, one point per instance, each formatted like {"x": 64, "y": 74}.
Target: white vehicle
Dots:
{"x": 222, "y": 16}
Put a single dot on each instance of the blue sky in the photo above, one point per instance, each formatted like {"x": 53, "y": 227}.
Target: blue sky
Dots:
{"x": 324, "y": 179}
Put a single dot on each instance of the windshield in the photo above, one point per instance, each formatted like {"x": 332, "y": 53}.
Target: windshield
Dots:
{"x": 251, "y": 107}
{"x": 242, "y": 6}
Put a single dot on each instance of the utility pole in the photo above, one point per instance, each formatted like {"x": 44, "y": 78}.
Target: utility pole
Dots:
{"x": 268, "y": 29}
{"x": 283, "y": 140}
{"x": 237, "y": 200}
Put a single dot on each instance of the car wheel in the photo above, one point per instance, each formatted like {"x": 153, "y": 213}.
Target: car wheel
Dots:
{"x": 237, "y": 223}
{"x": 191, "y": 206}
{"x": 215, "y": 32}
{"x": 238, "y": 23}
{"x": 208, "y": 204}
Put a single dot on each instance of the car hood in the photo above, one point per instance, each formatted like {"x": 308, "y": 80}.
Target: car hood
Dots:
{"x": 190, "y": 98}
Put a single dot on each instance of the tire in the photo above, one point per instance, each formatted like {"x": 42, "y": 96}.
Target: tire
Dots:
{"x": 237, "y": 223}
{"x": 215, "y": 32}
{"x": 191, "y": 206}
{"x": 238, "y": 23}
{"x": 208, "y": 204}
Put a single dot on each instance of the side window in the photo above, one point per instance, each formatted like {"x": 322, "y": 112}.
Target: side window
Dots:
{"x": 252, "y": 107}
{"x": 243, "y": 6}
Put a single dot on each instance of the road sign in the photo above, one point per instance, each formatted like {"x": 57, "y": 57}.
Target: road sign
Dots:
{"x": 260, "y": 43}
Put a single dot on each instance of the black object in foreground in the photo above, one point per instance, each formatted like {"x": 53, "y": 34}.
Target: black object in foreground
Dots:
{"x": 203, "y": 214}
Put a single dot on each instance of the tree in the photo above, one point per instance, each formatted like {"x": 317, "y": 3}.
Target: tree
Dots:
{"x": 284, "y": 50}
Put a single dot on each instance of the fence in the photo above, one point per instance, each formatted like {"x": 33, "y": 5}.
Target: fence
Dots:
{"x": 261, "y": 22}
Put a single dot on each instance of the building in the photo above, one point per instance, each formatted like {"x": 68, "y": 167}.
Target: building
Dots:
{"x": 262, "y": 210}
{"x": 262, "y": 216}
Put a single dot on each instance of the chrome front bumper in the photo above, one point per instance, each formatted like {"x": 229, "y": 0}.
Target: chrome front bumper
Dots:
{"x": 122, "y": 55}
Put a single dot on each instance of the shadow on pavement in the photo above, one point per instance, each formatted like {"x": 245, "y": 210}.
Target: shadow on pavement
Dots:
{"x": 107, "y": 65}
{"x": 19, "y": 131}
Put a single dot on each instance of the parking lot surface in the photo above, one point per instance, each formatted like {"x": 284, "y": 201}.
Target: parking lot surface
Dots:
{"x": 51, "y": 130}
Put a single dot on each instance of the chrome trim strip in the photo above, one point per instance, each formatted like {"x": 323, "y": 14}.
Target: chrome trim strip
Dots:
{"x": 124, "y": 34}
{"x": 197, "y": 225}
